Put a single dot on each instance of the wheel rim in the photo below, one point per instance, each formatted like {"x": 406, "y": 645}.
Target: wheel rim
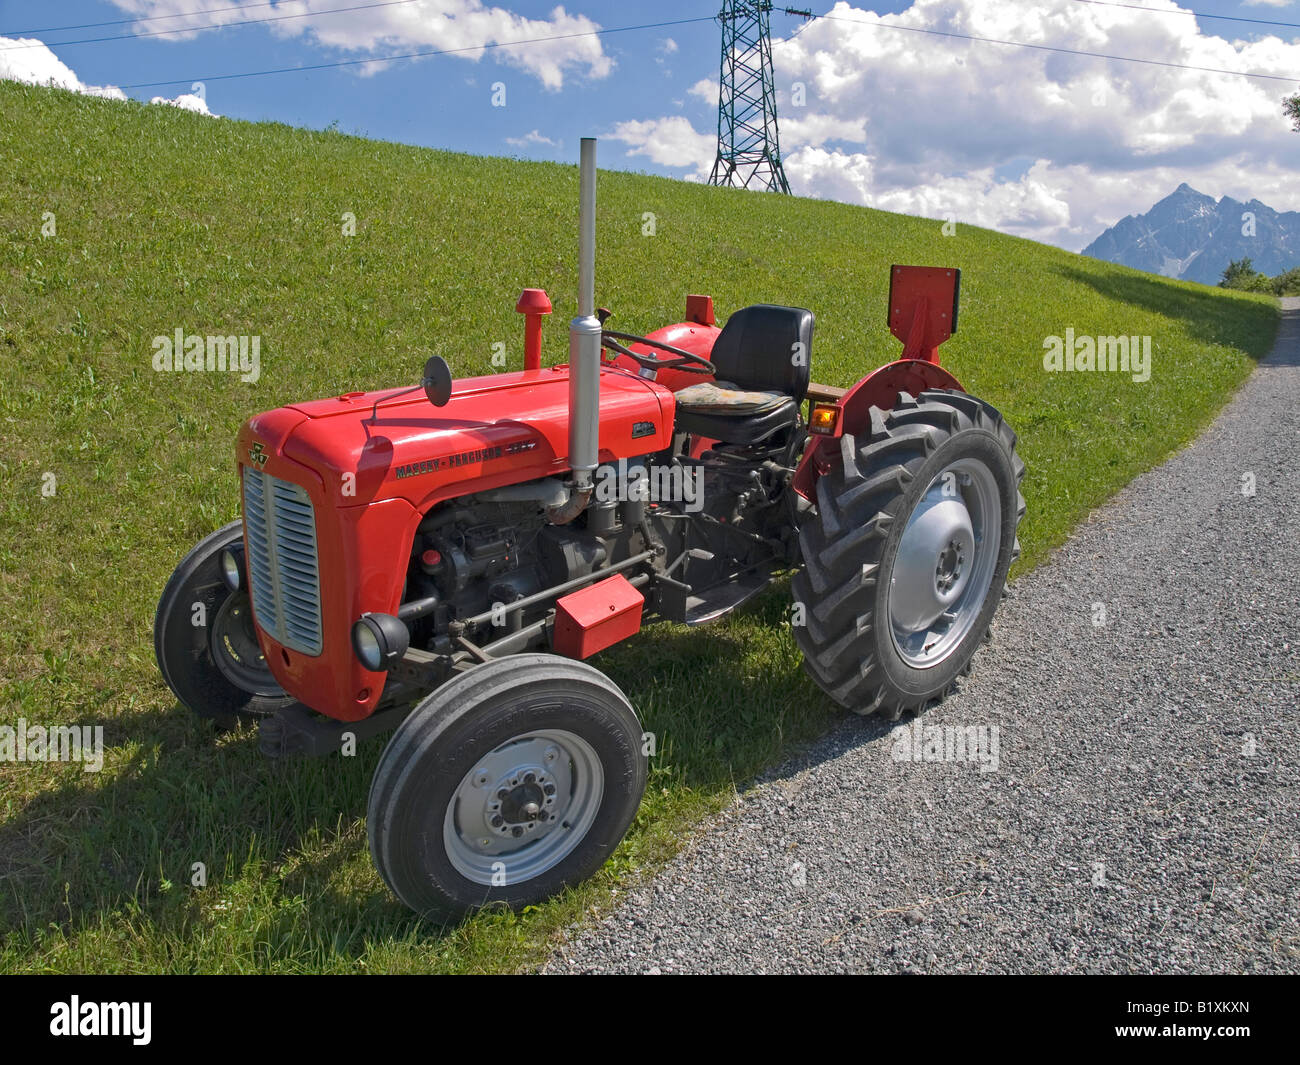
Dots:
{"x": 523, "y": 808}
{"x": 945, "y": 563}
{"x": 236, "y": 651}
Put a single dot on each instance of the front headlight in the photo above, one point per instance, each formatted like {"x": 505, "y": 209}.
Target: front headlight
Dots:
{"x": 231, "y": 570}
{"x": 379, "y": 640}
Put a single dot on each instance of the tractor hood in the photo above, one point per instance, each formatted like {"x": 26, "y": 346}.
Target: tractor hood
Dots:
{"x": 493, "y": 431}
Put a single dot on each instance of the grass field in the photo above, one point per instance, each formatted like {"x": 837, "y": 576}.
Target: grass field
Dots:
{"x": 167, "y": 220}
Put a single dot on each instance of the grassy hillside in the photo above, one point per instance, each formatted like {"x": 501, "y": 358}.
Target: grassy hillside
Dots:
{"x": 168, "y": 220}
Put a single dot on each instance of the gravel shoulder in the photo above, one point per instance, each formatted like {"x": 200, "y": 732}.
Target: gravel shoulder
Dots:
{"x": 1141, "y": 813}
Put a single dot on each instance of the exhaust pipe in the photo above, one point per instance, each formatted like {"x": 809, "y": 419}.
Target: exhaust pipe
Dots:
{"x": 584, "y": 353}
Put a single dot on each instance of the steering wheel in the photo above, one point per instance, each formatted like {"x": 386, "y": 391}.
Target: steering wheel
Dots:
{"x": 686, "y": 361}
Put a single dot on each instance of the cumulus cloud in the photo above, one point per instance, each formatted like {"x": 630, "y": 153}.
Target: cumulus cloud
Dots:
{"x": 186, "y": 102}
{"x": 532, "y": 138}
{"x": 424, "y": 24}
{"x": 27, "y": 59}
{"x": 30, "y": 60}
{"x": 1045, "y": 145}
{"x": 670, "y": 141}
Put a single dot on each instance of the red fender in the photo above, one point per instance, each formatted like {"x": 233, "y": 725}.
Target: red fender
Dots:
{"x": 878, "y": 389}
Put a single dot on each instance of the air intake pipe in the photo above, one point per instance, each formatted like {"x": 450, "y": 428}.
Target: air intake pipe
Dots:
{"x": 584, "y": 354}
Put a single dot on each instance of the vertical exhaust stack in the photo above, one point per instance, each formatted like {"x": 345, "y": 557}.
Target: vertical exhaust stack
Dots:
{"x": 584, "y": 353}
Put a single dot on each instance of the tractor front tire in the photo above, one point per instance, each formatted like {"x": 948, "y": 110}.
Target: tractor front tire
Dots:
{"x": 906, "y": 558}
{"x": 205, "y": 643}
{"x": 507, "y": 784}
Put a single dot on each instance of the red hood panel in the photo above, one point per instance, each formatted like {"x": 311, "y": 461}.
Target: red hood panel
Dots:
{"x": 495, "y": 430}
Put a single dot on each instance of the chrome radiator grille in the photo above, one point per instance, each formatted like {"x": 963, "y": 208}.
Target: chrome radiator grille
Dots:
{"x": 283, "y": 573}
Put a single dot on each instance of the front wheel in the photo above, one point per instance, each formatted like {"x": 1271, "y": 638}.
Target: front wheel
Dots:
{"x": 906, "y": 559}
{"x": 507, "y": 784}
{"x": 205, "y": 642}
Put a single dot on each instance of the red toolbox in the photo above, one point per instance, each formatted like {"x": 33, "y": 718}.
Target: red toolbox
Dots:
{"x": 594, "y": 618}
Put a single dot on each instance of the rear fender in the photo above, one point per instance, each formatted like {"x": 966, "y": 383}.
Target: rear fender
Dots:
{"x": 878, "y": 389}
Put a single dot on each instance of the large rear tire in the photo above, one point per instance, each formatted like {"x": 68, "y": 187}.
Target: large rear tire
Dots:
{"x": 205, "y": 642}
{"x": 906, "y": 558}
{"x": 507, "y": 784}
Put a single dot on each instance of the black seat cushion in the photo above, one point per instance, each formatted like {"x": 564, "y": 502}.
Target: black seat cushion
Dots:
{"x": 761, "y": 377}
{"x": 738, "y": 428}
{"x": 756, "y": 350}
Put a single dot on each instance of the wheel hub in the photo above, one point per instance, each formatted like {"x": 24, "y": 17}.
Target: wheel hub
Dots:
{"x": 523, "y": 802}
{"x": 524, "y": 806}
{"x": 949, "y": 568}
{"x": 235, "y": 649}
{"x": 944, "y": 565}
{"x": 930, "y": 571}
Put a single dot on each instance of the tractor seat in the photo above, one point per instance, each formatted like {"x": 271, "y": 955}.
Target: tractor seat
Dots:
{"x": 762, "y": 358}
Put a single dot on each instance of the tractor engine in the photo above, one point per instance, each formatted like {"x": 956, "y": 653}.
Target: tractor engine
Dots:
{"x": 473, "y": 557}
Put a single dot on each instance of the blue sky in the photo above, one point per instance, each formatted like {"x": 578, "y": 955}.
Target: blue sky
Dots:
{"x": 442, "y": 102}
{"x": 1050, "y": 146}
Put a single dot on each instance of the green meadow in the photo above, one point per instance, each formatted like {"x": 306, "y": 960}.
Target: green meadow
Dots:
{"x": 163, "y": 219}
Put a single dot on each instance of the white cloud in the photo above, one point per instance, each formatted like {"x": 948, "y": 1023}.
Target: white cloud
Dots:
{"x": 671, "y": 141}
{"x": 534, "y": 137}
{"x": 667, "y": 46}
{"x": 1049, "y": 146}
{"x": 186, "y": 102}
{"x": 30, "y": 60}
{"x": 27, "y": 59}
{"x": 706, "y": 89}
{"x": 814, "y": 130}
{"x": 417, "y": 26}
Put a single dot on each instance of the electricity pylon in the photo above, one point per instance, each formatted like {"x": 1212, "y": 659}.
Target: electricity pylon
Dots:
{"x": 749, "y": 151}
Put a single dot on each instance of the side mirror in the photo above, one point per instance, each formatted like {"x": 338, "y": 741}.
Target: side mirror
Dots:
{"x": 437, "y": 380}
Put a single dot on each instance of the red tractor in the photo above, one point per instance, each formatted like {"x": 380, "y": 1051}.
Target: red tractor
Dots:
{"x": 444, "y": 559}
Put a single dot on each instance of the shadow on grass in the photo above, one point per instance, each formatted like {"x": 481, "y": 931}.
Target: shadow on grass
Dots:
{"x": 1205, "y": 315}
{"x": 282, "y": 840}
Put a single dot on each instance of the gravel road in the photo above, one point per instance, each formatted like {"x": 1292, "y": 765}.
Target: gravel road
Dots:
{"x": 1141, "y": 813}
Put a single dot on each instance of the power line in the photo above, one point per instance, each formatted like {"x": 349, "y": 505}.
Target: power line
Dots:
{"x": 1195, "y": 14}
{"x": 1051, "y": 48}
{"x": 138, "y": 18}
{"x": 420, "y": 55}
{"x": 210, "y": 26}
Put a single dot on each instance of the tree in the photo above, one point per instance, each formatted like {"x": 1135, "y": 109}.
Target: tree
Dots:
{"x": 1239, "y": 274}
{"x": 1291, "y": 108}
{"x": 1288, "y": 284}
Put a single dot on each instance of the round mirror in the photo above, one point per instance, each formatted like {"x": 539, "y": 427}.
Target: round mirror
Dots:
{"x": 437, "y": 380}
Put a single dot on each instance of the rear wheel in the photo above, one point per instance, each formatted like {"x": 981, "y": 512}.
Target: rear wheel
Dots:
{"x": 507, "y": 784}
{"x": 906, "y": 559}
{"x": 205, "y": 642}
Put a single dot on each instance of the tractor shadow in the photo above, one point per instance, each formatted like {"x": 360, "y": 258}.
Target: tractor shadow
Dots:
{"x": 1206, "y": 316}
{"x": 283, "y": 842}
{"x": 87, "y": 852}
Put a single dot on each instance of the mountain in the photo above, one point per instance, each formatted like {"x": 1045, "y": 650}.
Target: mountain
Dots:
{"x": 1188, "y": 235}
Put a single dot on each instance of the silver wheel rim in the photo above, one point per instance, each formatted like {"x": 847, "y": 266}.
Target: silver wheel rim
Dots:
{"x": 523, "y": 808}
{"x": 945, "y": 563}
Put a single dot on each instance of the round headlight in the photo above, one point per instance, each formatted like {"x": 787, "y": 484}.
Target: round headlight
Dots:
{"x": 379, "y": 640}
{"x": 230, "y": 569}
{"x": 365, "y": 641}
